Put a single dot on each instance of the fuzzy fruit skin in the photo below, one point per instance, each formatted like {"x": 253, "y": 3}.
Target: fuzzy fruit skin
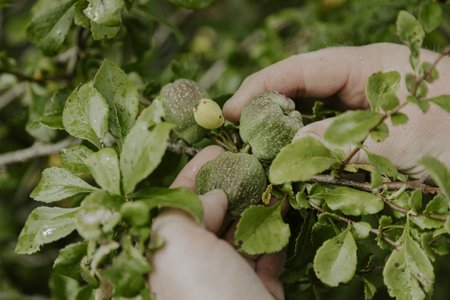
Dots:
{"x": 179, "y": 99}
{"x": 268, "y": 123}
{"x": 240, "y": 175}
{"x": 208, "y": 114}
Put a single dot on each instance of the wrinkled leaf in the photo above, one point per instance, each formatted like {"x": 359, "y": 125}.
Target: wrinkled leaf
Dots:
{"x": 408, "y": 272}
{"x": 335, "y": 261}
{"x": 300, "y": 161}
{"x": 180, "y": 198}
{"x": 352, "y": 202}
{"x": 351, "y": 127}
{"x": 381, "y": 88}
{"x": 121, "y": 95}
{"x": 99, "y": 213}
{"x": 261, "y": 230}
{"x": 104, "y": 166}
{"x": 45, "y": 225}
{"x": 50, "y": 24}
{"x": 74, "y": 159}
{"x": 409, "y": 30}
{"x": 85, "y": 115}
{"x": 143, "y": 148}
{"x": 57, "y": 184}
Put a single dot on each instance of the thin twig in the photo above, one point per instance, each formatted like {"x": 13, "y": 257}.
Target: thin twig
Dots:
{"x": 349, "y": 221}
{"x": 365, "y": 186}
{"x": 38, "y": 149}
{"x": 406, "y": 211}
{"x": 12, "y": 94}
{"x": 417, "y": 83}
{"x": 180, "y": 147}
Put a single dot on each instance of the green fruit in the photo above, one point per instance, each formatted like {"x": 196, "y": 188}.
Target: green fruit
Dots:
{"x": 240, "y": 175}
{"x": 179, "y": 100}
{"x": 208, "y": 114}
{"x": 268, "y": 123}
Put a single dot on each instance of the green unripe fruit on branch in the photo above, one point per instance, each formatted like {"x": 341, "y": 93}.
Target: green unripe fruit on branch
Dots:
{"x": 240, "y": 175}
{"x": 208, "y": 114}
{"x": 268, "y": 123}
{"x": 179, "y": 100}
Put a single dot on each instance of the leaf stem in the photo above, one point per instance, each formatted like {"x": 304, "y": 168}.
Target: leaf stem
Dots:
{"x": 349, "y": 221}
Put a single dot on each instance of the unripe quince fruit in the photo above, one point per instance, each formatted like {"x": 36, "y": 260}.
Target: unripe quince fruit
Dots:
{"x": 268, "y": 123}
{"x": 208, "y": 114}
{"x": 240, "y": 175}
{"x": 179, "y": 100}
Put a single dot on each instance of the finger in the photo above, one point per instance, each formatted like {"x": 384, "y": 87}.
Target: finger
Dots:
{"x": 320, "y": 73}
{"x": 174, "y": 222}
{"x": 186, "y": 178}
{"x": 269, "y": 268}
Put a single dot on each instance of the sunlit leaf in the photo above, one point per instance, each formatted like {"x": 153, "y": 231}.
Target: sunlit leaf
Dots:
{"x": 45, "y": 225}
{"x": 57, "y": 184}
{"x": 104, "y": 167}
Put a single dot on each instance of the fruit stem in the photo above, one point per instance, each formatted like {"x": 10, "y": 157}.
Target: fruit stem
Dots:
{"x": 246, "y": 148}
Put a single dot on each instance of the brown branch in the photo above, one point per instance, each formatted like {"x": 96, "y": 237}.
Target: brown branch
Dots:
{"x": 349, "y": 221}
{"x": 365, "y": 186}
{"x": 38, "y": 149}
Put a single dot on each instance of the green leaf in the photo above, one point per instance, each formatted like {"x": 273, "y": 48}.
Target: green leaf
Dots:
{"x": 50, "y": 24}
{"x": 180, "y": 198}
{"x": 429, "y": 72}
{"x": 104, "y": 12}
{"x": 381, "y": 88}
{"x": 380, "y": 133}
{"x": 85, "y": 114}
{"x": 37, "y": 98}
{"x": 369, "y": 289}
{"x": 57, "y": 184}
{"x": 352, "y": 202}
{"x": 261, "y": 230}
{"x": 442, "y": 101}
{"x": 439, "y": 173}
{"x": 426, "y": 223}
{"x": 382, "y": 164}
{"x": 122, "y": 96}
{"x": 143, "y": 148}
{"x": 408, "y": 272}
{"x": 335, "y": 261}
{"x": 98, "y": 214}
{"x": 399, "y": 118}
{"x": 430, "y": 16}
{"x": 422, "y": 104}
{"x": 351, "y": 127}
{"x": 409, "y": 30}
{"x": 437, "y": 205}
{"x": 361, "y": 230}
{"x": 301, "y": 251}
{"x": 415, "y": 200}
{"x": 100, "y": 32}
{"x": 127, "y": 271}
{"x": 74, "y": 159}
{"x": 45, "y": 225}
{"x": 52, "y": 116}
{"x": 104, "y": 166}
{"x": 192, "y": 4}
{"x": 80, "y": 18}
{"x": 300, "y": 161}
{"x": 68, "y": 261}
{"x": 136, "y": 212}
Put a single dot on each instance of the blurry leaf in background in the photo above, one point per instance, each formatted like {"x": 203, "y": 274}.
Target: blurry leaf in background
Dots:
{"x": 51, "y": 23}
{"x": 430, "y": 15}
{"x": 192, "y": 4}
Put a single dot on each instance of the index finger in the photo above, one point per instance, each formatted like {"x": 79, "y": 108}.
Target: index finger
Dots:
{"x": 320, "y": 73}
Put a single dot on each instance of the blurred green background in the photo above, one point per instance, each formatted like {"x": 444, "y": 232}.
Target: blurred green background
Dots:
{"x": 157, "y": 43}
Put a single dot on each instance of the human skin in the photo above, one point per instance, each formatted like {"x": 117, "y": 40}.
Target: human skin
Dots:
{"x": 195, "y": 263}
{"x": 343, "y": 72}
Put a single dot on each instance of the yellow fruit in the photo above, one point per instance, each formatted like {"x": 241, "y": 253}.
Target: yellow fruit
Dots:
{"x": 208, "y": 114}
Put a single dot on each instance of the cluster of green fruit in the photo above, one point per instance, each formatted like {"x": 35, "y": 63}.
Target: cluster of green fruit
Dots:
{"x": 268, "y": 123}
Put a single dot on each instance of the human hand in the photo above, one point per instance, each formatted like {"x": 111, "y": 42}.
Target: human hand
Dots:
{"x": 195, "y": 263}
{"x": 344, "y": 71}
